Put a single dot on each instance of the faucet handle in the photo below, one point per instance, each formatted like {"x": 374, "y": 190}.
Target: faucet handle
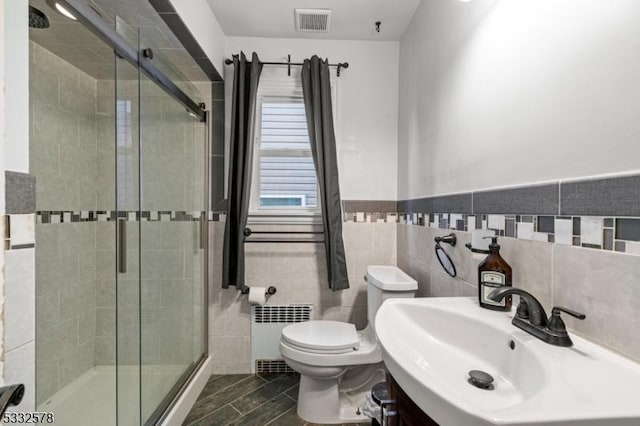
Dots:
{"x": 558, "y": 309}
{"x": 555, "y": 321}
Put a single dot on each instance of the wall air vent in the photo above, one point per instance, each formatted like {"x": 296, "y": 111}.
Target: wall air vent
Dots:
{"x": 313, "y": 20}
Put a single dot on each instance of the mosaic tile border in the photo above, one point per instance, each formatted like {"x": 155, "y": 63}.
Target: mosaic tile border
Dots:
{"x": 77, "y": 216}
{"x": 619, "y": 234}
{"x": 593, "y": 232}
{"x": 369, "y": 217}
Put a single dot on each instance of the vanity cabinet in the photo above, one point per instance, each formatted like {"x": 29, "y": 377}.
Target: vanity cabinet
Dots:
{"x": 408, "y": 413}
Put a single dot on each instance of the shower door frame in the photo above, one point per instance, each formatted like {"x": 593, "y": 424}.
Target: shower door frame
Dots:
{"x": 123, "y": 49}
{"x": 105, "y": 32}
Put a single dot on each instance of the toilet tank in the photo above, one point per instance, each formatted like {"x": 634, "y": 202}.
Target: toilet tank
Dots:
{"x": 386, "y": 282}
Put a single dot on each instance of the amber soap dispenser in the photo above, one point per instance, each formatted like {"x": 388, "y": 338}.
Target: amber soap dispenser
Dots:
{"x": 493, "y": 273}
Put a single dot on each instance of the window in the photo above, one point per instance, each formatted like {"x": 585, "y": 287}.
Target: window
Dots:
{"x": 284, "y": 178}
{"x": 126, "y": 156}
{"x": 287, "y": 176}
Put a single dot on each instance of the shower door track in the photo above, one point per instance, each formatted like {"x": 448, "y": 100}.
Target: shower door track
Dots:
{"x": 169, "y": 401}
{"x": 123, "y": 49}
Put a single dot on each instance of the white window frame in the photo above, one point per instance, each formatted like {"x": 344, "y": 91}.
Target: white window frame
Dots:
{"x": 280, "y": 91}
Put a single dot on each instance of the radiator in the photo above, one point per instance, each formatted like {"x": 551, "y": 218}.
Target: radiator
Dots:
{"x": 267, "y": 323}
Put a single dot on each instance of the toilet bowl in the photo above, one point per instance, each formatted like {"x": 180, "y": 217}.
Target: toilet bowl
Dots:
{"x": 338, "y": 364}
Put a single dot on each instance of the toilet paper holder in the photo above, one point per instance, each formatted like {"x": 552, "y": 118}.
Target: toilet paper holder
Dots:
{"x": 271, "y": 290}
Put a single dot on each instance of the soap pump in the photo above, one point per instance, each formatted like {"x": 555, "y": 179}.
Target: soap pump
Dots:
{"x": 493, "y": 273}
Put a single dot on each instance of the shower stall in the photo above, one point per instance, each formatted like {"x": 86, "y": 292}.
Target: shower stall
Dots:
{"x": 118, "y": 145}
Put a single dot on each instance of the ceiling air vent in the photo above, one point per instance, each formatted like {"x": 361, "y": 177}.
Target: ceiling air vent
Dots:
{"x": 313, "y": 20}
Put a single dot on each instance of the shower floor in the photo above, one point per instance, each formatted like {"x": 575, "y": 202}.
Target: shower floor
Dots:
{"x": 91, "y": 398}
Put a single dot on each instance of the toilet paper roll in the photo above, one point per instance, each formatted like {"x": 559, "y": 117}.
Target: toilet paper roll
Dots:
{"x": 257, "y": 296}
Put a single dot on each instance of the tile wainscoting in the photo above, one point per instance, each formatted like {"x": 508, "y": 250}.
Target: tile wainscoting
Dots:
{"x": 18, "y": 235}
{"x": 621, "y": 234}
{"x": 602, "y": 284}
{"x": 578, "y": 257}
{"x": 575, "y": 244}
{"x": 298, "y": 271}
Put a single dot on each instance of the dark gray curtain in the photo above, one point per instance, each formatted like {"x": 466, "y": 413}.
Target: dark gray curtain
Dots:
{"x": 316, "y": 86}
{"x": 243, "y": 112}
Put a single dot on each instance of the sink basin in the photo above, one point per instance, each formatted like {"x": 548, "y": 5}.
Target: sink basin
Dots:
{"x": 429, "y": 345}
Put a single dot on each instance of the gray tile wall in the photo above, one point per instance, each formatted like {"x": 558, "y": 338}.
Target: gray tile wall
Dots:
{"x": 65, "y": 304}
{"x": 63, "y": 133}
{"x": 601, "y": 284}
{"x": 217, "y": 147}
{"x": 20, "y": 193}
{"x": 63, "y": 154}
{"x": 72, "y": 154}
{"x": 614, "y": 196}
{"x": 170, "y": 263}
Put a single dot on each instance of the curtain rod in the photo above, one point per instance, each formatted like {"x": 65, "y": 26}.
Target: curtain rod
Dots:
{"x": 339, "y": 65}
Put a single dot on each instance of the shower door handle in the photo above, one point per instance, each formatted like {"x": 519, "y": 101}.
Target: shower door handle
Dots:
{"x": 203, "y": 231}
{"x": 122, "y": 245}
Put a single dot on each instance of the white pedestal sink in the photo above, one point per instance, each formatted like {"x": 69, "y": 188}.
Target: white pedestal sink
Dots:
{"x": 430, "y": 344}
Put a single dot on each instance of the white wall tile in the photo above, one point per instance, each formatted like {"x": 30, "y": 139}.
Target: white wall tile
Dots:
{"x": 632, "y": 248}
{"x": 19, "y": 297}
{"x": 525, "y": 231}
{"x": 471, "y": 223}
{"x": 591, "y": 230}
{"x": 23, "y": 229}
{"x": 19, "y": 367}
{"x": 564, "y": 231}
{"x": 495, "y": 221}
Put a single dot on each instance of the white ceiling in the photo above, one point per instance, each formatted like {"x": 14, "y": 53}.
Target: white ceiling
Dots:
{"x": 350, "y": 20}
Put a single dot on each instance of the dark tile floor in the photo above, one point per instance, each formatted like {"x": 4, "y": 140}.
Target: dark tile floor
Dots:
{"x": 247, "y": 400}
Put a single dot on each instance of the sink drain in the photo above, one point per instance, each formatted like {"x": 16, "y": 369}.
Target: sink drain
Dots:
{"x": 481, "y": 380}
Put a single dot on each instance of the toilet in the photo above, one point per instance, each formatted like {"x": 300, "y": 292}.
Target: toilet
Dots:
{"x": 338, "y": 364}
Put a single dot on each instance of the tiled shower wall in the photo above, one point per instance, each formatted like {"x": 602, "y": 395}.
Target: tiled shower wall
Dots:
{"x": 63, "y": 152}
{"x": 298, "y": 271}
{"x": 72, "y": 156}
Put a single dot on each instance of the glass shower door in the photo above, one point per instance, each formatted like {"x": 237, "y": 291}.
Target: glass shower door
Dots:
{"x": 160, "y": 229}
{"x": 127, "y": 235}
{"x": 172, "y": 226}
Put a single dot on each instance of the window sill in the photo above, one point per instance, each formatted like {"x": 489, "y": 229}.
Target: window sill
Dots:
{"x": 284, "y": 219}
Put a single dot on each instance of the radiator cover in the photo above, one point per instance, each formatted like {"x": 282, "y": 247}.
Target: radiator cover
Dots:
{"x": 267, "y": 323}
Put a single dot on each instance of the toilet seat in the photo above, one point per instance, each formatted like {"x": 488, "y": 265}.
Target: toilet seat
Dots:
{"x": 322, "y": 337}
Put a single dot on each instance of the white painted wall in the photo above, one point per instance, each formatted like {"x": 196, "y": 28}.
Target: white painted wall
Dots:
{"x": 17, "y": 284}
{"x": 366, "y": 105}
{"x": 2, "y": 191}
{"x": 496, "y": 93}
{"x": 16, "y": 69}
{"x": 204, "y": 27}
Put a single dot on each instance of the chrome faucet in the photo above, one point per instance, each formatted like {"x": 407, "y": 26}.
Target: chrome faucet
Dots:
{"x": 532, "y": 318}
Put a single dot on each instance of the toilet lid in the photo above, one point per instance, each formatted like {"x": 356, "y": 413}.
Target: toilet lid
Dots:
{"x": 329, "y": 336}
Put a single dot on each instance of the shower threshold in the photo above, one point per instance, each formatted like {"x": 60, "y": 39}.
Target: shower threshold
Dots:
{"x": 91, "y": 398}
